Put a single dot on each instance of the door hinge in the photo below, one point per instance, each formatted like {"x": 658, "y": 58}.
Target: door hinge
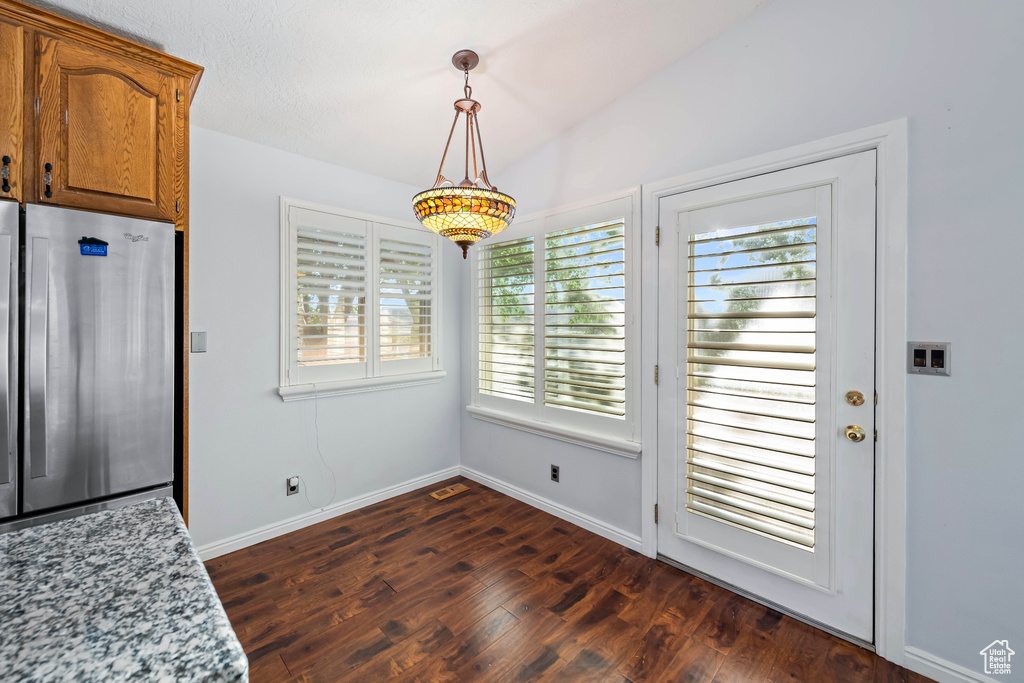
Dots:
{"x": 655, "y": 513}
{"x": 655, "y": 374}
{"x": 876, "y": 435}
{"x": 177, "y": 206}
{"x": 657, "y": 236}
{"x": 876, "y": 398}
{"x": 177, "y": 94}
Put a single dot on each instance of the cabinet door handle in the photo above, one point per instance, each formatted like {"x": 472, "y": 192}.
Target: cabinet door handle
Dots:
{"x": 6, "y": 174}
{"x": 48, "y": 179}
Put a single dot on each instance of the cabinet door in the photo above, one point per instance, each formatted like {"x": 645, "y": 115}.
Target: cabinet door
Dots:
{"x": 106, "y": 130}
{"x": 12, "y": 107}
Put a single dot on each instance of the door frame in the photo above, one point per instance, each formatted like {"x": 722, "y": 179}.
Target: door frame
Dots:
{"x": 890, "y": 141}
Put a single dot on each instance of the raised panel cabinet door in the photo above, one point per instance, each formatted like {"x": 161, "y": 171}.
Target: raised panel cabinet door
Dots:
{"x": 12, "y": 106}
{"x": 105, "y": 133}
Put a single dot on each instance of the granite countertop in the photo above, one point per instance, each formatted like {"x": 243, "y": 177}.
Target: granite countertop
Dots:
{"x": 112, "y": 596}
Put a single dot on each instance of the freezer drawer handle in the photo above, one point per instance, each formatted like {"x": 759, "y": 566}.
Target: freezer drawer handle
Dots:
{"x": 5, "y": 311}
{"x": 37, "y": 324}
{"x": 48, "y": 179}
{"x": 6, "y": 174}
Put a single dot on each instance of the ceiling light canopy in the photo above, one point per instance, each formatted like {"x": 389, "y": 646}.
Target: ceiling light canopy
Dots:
{"x": 474, "y": 209}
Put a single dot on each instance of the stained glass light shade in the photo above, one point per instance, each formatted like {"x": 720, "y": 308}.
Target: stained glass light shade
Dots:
{"x": 465, "y": 215}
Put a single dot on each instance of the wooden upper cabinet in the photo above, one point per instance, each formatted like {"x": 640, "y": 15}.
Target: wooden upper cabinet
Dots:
{"x": 12, "y": 110}
{"x": 91, "y": 120}
{"x": 105, "y": 131}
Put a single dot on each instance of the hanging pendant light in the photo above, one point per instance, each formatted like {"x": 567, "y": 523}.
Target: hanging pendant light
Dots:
{"x": 474, "y": 209}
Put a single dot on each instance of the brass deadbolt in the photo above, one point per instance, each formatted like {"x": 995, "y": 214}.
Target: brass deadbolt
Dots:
{"x": 854, "y": 433}
{"x": 855, "y": 398}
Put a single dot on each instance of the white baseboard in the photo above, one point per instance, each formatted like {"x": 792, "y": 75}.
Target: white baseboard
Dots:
{"x": 265, "y": 533}
{"x": 939, "y": 669}
{"x": 600, "y": 528}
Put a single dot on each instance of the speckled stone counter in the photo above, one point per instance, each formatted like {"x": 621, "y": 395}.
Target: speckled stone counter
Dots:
{"x": 112, "y": 596}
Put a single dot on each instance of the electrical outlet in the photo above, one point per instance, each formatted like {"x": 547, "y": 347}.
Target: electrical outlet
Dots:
{"x": 291, "y": 485}
{"x": 554, "y": 473}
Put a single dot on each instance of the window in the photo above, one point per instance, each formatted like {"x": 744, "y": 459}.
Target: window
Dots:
{"x": 505, "y": 320}
{"x": 556, "y": 327}
{"x": 360, "y": 302}
{"x": 750, "y": 381}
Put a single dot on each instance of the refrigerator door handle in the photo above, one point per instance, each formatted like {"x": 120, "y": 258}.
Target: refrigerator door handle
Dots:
{"x": 5, "y": 328}
{"x": 37, "y": 324}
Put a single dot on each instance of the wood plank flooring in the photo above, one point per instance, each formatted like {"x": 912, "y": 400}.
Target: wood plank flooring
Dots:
{"x": 481, "y": 587}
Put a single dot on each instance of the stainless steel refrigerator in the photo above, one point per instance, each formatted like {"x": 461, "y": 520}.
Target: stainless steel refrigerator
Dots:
{"x": 87, "y": 389}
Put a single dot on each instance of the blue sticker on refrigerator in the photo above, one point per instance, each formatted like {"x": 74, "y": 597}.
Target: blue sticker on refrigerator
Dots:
{"x": 91, "y": 246}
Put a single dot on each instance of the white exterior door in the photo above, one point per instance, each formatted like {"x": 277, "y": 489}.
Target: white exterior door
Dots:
{"x": 765, "y": 399}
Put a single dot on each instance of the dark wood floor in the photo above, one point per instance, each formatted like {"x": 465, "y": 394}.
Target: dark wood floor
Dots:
{"x": 481, "y": 587}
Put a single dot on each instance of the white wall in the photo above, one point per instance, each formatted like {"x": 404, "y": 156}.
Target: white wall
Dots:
{"x": 243, "y": 440}
{"x": 800, "y": 70}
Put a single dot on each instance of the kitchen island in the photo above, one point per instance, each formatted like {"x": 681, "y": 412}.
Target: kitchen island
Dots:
{"x": 112, "y": 596}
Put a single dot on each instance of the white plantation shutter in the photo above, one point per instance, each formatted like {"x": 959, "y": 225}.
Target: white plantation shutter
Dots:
{"x": 360, "y": 303}
{"x": 505, "y": 288}
{"x": 585, "y": 319}
{"x": 557, "y": 336}
{"x": 406, "y": 299}
{"x": 331, "y": 269}
{"x": 751, "y": 379}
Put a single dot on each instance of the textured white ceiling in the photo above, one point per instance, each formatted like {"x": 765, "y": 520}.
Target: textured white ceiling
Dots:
{"x": 369, "y": 84}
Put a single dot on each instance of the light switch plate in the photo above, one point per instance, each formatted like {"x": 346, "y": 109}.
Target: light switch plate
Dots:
{"x": 198, "y": 342}
{"x": 928, "y": 358}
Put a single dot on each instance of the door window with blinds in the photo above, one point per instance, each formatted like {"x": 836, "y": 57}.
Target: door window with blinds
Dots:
{"x": 555, "y": 328}
{"x": 750, "y": 384}
{"x": 360, "y": 301}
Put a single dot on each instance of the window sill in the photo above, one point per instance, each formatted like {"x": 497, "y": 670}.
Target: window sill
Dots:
{"x": 608, "y": 444}
{"x": 357, "y": 386}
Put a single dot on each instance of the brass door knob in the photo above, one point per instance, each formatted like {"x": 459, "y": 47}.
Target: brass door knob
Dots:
{"x": 854, "y": 433}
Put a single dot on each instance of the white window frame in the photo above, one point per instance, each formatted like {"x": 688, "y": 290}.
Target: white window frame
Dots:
{"x": 620, "y": 436}
{"x": 347, "y": 378}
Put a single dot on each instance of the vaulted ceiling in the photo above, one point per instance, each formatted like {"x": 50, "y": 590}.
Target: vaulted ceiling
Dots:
{"x": 369, "y": 84}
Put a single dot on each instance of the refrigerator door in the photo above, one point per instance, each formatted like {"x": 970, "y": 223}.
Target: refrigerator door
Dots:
{"x": 98, "y": 356}
{"x": 8, "y": 358}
